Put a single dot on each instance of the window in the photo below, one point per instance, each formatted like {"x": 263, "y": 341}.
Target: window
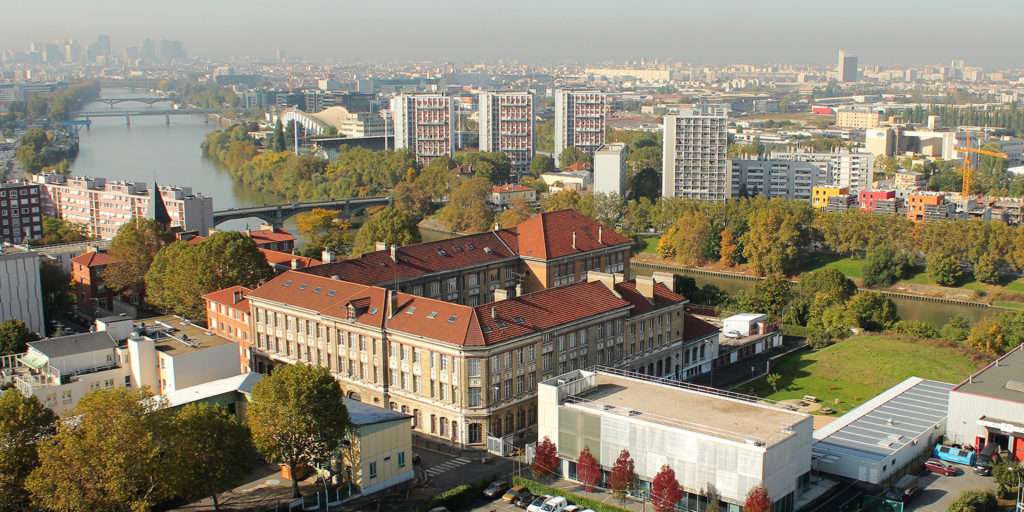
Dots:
{"x": 533, "y": 353}
{"x": 373, "y": 470}
{"x": 474, "y": 397}
{"x": 473, "y": 367}
{"x": 401, "y": 459}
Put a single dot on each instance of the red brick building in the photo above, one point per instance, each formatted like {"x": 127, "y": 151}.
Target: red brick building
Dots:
{"x": 227, "y": 316}
{"x": 87, "y": 273}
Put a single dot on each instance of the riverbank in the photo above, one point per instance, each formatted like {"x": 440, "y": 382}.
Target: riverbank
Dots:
{"x": 656, "y": 262}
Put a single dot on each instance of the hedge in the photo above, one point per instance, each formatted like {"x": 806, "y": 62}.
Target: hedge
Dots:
{"x": 458, "y": 496}
{"x": 541, "y": 489}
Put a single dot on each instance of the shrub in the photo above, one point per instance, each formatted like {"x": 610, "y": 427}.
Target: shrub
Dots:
{"x": 458, "y": 496}
{"x": 914, "y": 328}
{"x": 541, "y": 489}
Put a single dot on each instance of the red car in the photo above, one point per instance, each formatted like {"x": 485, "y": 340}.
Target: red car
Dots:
{"x": 940, "y": 467}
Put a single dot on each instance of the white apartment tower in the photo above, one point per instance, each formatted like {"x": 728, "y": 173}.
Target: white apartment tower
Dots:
{"x": 852, "y": 169}
{"x": 610, "y": 169}
{"x": 424, "y": 124}
{"x": 579, "y": 120}
{"x": 695, "y": 160}
{"x": 507, "y": 125}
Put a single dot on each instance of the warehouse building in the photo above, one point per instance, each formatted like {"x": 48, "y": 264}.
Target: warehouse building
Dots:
{"x": 989, "y": 406}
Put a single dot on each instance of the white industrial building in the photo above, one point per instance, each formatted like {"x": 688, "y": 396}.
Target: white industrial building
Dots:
{"x": 21, "y": 295}
{"x": 710, "y": 438}
{"x": 877, "y": 441}
{"x": 610, "y": 169}
{"x": 989, "y": 406}
{"x": 164, "y": 354}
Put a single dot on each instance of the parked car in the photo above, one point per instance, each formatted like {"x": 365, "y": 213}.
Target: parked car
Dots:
{"x": 439, "y": 509}
{"x": 555, "y": 504}
{"x": 732, "y": 334}
{"x": 511, "y": 494}
{"x": 537, "y": 503}
{"x": 573, "y": 508}
{"x": 940, "y": 467}
{"x": 524, "y": 499}
{"x": 988, "y": 456}
{"x": 497, "y": 488}
{"x": 903, "y": 490}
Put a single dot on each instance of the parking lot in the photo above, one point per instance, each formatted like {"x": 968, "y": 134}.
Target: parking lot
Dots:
{"x": 937, "y": 492}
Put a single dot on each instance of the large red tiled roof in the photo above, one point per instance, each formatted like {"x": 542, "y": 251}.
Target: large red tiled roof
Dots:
{"x": 436, "y": 319}
{"x": 328, "y": 296}
{"x": 376, "y": 268}
{"x": 550, "y": 235}
{"x": 265, "y": 236}
{"x": 694, "y": 327}
{"x": 284, "y": 258}
{"x": 641, "y": 304}
{"x": 93, "y": 259}
{"x": 227, "y": 297}
{"x": 545, "y": 309}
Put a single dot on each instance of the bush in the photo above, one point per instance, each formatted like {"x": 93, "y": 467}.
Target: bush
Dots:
{"x": 883, "y": 266}
{"x": 945, "y": 269}
{"x": 540, "y": 489}
{"x": 974, "y": 500}
{"x": 458, "y": 496}
{"x": 914, "y": 328}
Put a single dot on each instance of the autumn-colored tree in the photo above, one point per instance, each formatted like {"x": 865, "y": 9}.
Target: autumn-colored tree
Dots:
{"x": 622, "y": 479}
{"x": 467, "y": 210}
{"x": 728, "y": 248}
{"x": 545, "y": 459}
{"x": 323, "y": 230}
{"x": 24, "y": 423}
{"x": 693, "y": 229}
{"x": 587, "y": 470}
{"x": 518, "y": 211}
{"x": 665, "y": 492}
{"x": 391, "y": 226}
{"x": 758, "y": 500}
{"x": 666, "y": 249}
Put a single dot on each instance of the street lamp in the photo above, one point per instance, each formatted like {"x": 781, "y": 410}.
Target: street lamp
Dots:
{"x": 1020, "y": 489}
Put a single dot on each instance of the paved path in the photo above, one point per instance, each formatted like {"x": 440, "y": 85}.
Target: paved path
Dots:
{"x": 446, "y": 466}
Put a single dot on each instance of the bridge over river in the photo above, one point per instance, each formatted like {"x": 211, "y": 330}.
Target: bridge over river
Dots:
{"x": 276, "y": 213}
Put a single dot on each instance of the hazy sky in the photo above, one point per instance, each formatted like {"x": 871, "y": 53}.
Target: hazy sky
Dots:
{"x": 982, "y": 32}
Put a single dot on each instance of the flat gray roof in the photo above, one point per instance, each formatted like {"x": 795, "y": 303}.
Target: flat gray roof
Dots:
{"x": 689, "y": 409}
{"x": 885, "y": 424}
{"x": 1002, "y": 379}
{"x": 74, "y": 344}
{"x": 366, "y": 414}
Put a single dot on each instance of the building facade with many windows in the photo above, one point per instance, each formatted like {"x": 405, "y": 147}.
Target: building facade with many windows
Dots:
{"x": 580, "y": 117}
{"x": 21, "y": 215}
{"x": 507, "y": 125}
{"x": 424, "y": 123}
{"x": 696, "y": 164}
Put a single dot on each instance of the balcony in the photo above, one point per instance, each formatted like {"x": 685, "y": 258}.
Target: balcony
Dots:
{"x": 28, "y": 371}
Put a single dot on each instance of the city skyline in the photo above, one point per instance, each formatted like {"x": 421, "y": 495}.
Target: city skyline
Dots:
{"x": 698, "y": 32}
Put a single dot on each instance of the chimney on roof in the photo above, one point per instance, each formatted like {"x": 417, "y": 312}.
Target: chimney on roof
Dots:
{"x": 645, "y": 285}
{"x": 519, "y": 289}
{"x": 394, "y": 253}
{"x": 380, "y": 246}
{"x": 574, "y": 240}
{"x": 248, "y": 232}
{"x": 328, "y": 256}
{"x": 295, "y": 263}
{"x": 393, "y": 296}
{"x": 500, "y": 294}
{"x": 236, "y": 296}
{"x": 497, "y": 225}
{"x": 600, "y": 234}
{"x": 494, "y": 313}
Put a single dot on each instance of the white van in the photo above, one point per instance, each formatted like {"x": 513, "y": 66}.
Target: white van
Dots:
{"x": 556, "y": 504}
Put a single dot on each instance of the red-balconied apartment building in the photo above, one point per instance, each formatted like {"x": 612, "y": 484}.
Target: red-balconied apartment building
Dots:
{"x": 579, "y": 120}
{"x": 507, "y": 125}
{"x": 424, "y": 123}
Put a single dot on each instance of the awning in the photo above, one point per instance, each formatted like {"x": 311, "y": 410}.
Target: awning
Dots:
{"x": 33, "y": 360}
{"x": 1004, "y": 426}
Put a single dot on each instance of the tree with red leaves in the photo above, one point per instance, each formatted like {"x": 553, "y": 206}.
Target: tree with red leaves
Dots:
{"x": 545, "y": 460}
{"x": 622, "y": 479}
{"x": 665, "y": 490}
{"x": 757, "y": 500}
{"x": 587, "y": 470}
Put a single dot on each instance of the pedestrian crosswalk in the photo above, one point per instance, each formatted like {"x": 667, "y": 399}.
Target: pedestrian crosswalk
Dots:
{"x": 447, "y": 466}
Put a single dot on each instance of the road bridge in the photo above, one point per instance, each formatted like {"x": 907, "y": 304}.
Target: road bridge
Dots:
{"x": 148, "y": 101}
{"x": 128, "y": 114}
{"x": 277, "y": 213}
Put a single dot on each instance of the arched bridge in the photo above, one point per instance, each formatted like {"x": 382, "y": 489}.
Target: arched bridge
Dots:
{"x": 148, "y": 101}
{"x": 276, "y": 213}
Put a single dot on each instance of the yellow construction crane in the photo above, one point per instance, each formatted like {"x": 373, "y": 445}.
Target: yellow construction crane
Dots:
{"x": 966, "y": 190}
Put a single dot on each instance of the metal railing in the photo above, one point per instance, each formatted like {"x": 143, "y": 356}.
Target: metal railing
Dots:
{"x": 689, "y": 387}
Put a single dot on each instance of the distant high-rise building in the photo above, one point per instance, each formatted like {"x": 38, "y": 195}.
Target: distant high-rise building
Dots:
{"x": 424, "y": 123}
{"x": 102, "y": 45}
{"x": 695, "y": 160}
{"x": 280, "y": 55}
{"x": 847, "y": 67}
{"x": 507, "y": 125}
{"x": 579, "y": 120}
{"x": 848, "y": 169}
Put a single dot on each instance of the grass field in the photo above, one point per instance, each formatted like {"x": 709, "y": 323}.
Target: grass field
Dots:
{"x": 650, "y": 244}
{"x": 857, "y": 369}
{"x": 848, "y": 266}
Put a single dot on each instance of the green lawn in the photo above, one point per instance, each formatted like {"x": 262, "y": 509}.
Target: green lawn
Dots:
{"x": 650, "y": 244}
{"x": 1015, "y": 286}
{"x": 857, "y": 369}
{"x": 848, "y": 266}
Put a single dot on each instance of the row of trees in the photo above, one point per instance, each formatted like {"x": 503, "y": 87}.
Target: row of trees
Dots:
{"x": 59, "y": 105}
{"x": 126, "y": 450}
{"x": 623, "y": 480}
{"x": 1012, "y": 118}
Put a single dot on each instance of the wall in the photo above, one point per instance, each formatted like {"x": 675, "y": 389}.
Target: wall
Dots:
{"x": 965, "y": 410}
{"x": 382, "y": 443}
{"x": 20, "y": 293}
{"x": 201, "y": 366}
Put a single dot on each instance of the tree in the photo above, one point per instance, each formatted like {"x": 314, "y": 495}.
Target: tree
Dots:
{"x": 24, "y": 423}
{"x": 55, "y": 285}
{"x": 181, "y": 273}
{"x": 768, "y": 296}
{"x": 622, "y": 478}
{"x": 728, "y": 248}
{"x": 390, "y": 226}
{"x": 986, "y": 270}
{"x": 957, "y": 329}
{"x": 541, "y": 164}
{"x": 757, "y": 500}
{"x": 666, "y": 243}
{"x": 518, "y": 211}
{"x": 665, "y": 492}
{"x": 1005, "y": 474}
{"x": 773, "y": 381}
{"x": 572, "y": 155}
{"x": 15, "y": 336}
{"x": 110, "y": 458}
{"x": 587, "y": 470}
{"x": 467, "y": 210}
{"x": 324, "y": 230}
{"x": 945, "y": 269}
{"x": 872, "y": 311}
{"x": 914, "y": 328}
{"x": 411, "y": 199}
{"x": 298, "y": 417}
{"x": 693, "y": 231}
{"x": 974, "y": 500}
{"x": 545, "y": 459}
{"x": 209, "y": 451}
{"x": 278, "y": 141}
{"x": 133, "y": 248}
{"x": 884, "y": 265}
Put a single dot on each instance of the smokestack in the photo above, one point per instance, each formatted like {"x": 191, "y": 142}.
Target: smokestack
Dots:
{"x": 393, "y": 295}
{"x": 295, "y": 263}
{"x": 600, "y": 234}
{"x": 394, "y": 253}
{"x": 574, "y": 240}
{"x": 327, "y": 256}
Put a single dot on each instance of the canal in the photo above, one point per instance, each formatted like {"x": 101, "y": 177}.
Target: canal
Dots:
{"x": 935, "y": 314}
